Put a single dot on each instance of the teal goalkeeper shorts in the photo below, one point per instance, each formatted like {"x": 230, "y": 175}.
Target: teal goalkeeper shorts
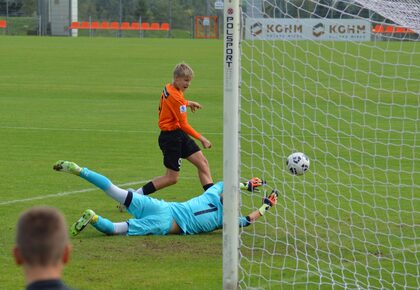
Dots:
{"x": 150, "y": 216}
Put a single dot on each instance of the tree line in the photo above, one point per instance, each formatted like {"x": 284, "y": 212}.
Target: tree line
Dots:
{"x": 180, "y": 12}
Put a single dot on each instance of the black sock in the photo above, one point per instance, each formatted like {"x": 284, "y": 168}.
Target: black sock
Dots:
{"x": 148, "y": 188}
{"x": 128, "y": 199}
{"x": 207, "y": 186}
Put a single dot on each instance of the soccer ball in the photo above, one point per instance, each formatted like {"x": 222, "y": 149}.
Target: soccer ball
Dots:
{"x": 297, "y": 163}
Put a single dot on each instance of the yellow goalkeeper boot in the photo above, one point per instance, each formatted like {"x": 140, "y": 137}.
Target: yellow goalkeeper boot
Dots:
{"x": 67, "y": 166}
{"x": 87, "y": 217}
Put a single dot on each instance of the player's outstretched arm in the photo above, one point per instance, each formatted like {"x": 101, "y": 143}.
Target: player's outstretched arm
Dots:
{"x": 194, "y": 106}
{"x": 268, "y": 202}
{"x": 252, "y": 184}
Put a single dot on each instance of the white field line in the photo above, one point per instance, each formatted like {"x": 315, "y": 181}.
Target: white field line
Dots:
{"x": 157, "y": 132}
{"x": 76, "y": 129}
{"x": 89, "y": 130}
{"x": 59, "y": 194}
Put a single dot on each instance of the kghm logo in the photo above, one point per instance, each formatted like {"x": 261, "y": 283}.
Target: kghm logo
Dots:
{"x": 256, "y": 28}
{"x": 353, "y": 29}
{"x": 318, "y": 30}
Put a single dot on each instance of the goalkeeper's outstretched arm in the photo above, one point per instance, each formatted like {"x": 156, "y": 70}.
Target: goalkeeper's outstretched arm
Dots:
{"x": 268, "y": 202}
{"x": 252, "y": 184}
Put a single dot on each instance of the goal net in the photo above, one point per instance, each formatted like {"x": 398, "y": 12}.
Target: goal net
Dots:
{"x": 339, "y": 81}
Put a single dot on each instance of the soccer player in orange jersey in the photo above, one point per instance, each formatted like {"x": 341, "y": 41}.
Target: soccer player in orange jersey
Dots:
{"x": 174, "y": 139}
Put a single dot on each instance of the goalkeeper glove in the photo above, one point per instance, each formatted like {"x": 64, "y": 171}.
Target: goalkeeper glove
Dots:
{"x": 252, "y": 184}
{"x": 269, "y": 201}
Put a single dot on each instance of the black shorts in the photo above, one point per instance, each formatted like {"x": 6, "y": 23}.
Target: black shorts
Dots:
{"x": 176, "y": 145}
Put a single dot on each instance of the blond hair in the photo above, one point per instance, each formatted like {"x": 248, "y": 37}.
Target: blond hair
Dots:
{"x": 183, "y": 70}
{"x": 41, "y": 236}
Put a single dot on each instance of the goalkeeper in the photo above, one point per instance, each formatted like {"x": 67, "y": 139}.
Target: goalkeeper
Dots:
{"x": 151, "y": 216}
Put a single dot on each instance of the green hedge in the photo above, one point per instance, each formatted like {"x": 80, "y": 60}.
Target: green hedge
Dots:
{"x": 21, "y": 25}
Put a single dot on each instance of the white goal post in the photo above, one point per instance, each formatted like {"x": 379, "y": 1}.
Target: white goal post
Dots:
{"x": 340, "y": 81}
{"x": 231, "y": 173}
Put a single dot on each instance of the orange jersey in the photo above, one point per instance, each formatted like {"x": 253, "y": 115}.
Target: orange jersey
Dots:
{"x": 173, "y": 112}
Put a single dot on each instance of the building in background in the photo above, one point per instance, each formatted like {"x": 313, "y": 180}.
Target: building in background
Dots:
{"x": 56, "y": 16}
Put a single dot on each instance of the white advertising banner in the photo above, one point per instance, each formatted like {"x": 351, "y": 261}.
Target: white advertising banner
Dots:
{"x": 307, "y": 29}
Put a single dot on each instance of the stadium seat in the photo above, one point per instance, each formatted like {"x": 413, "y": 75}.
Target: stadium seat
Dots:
{"x": 3, "y": 23}
{"x": 125, "y": 26}
{"x": 115, "y": 26}
{"x": 164, "y": 26}
{"x": 94, "y": 25}
{"x": 145, "y": 26}
{"x": 379, "y": 28}
{"x": 389, "y": 29}
{"x": 104, "y": 25}
{"x": 400, "y": 30}
{"x": 135, "y": 26}
{"x": 74, "y": 25}
{"x": 154, "y": 26}
{"x": 84, "y": 25}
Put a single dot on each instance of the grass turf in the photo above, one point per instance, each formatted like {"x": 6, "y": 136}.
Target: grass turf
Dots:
{"x": 94, "y": 101}
{"x": 352, "y": 220}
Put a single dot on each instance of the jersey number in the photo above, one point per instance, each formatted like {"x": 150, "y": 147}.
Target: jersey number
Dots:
{"x": 211, "y": 208}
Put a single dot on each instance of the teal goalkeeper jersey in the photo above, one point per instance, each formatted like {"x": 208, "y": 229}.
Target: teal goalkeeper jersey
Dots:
{"x": 203, "y": 213}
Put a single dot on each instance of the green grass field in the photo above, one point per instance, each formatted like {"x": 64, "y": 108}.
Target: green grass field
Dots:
{"x": 94, "y": 101}
{"x": 352, "y": 222}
